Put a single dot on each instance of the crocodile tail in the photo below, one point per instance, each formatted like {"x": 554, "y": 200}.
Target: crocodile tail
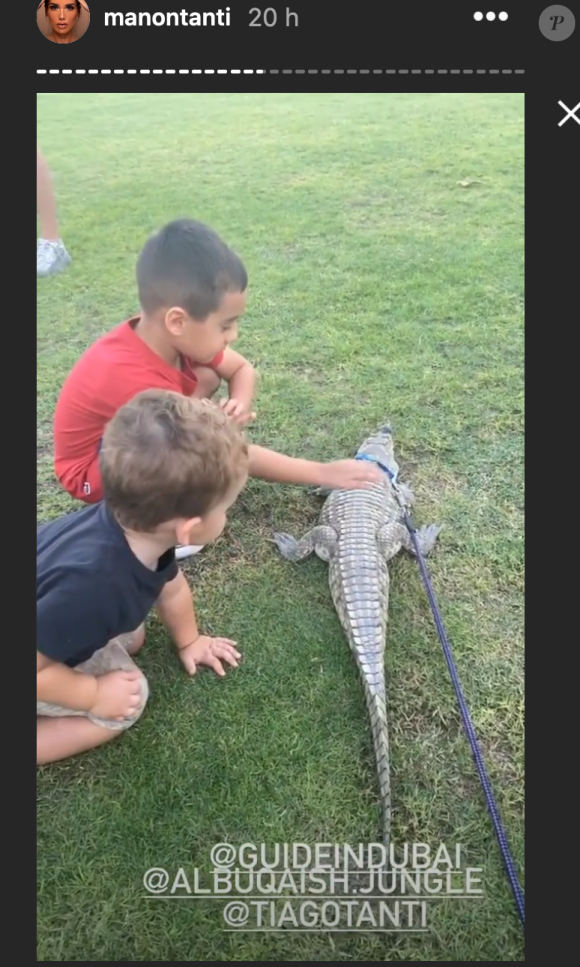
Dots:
{"x": 377, "y": 707}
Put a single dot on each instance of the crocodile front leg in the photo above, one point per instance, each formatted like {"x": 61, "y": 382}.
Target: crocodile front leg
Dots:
{"x": 392, "y": 536}
{"x": 323, "y": 491}
{"x": 321, "y": 539}
{"x": 426, "y": 538}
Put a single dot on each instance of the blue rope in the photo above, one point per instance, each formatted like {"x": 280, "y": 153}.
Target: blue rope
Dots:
{"x": 495, "y": 817}
{"x": 370, "y": 459}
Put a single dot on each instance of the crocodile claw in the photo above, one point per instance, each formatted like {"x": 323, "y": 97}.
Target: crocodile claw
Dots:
{"x": 321, "y": 491}
{"x": 427, "y": 536}
{"x": 286, "y": 544}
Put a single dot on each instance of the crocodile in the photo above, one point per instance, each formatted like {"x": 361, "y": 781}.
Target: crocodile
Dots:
{"x": 358, "y": 533}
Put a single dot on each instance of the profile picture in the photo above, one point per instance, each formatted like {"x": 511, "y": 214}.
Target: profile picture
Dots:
{"x": 63, "y": 21}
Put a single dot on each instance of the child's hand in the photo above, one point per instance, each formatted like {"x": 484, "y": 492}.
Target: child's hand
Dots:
{"x": 208, "y": 651}
{"x": 350, "y": 475}
{"x": 237, "y": 411}
{"x": 118, "y": 695}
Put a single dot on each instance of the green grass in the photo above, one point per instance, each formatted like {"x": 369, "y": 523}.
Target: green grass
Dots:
{"x": 379, "y": 289}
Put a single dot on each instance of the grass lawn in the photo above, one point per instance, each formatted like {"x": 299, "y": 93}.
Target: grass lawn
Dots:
{"x": 380, "y": 289}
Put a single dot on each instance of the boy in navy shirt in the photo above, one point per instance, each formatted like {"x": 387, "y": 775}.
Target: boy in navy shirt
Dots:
{"x": 171, "y": 468}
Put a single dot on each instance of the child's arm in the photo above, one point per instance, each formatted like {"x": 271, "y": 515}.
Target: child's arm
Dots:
{"x": 277, "y": 467}
{"x": 58, "y": 684}
{"x": 176, "y": 612}
{"x": 73, "y": 616}
{"x": 240, "y": 376}
{"x": 340, "y": 474}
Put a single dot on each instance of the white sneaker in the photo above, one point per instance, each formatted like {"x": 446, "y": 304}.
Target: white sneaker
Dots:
{"x": 186, "y": 550}
{"x": 51, "y": 257}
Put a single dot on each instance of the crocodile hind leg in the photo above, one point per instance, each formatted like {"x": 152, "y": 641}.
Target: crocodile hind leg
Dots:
{"x": 321, "y": 539}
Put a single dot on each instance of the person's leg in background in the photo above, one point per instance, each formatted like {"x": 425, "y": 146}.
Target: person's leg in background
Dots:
{"x": 51, "y": 255}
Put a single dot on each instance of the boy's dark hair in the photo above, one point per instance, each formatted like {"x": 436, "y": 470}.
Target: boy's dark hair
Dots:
{"x": 186, "y": 264}
{"x": 166, "y": 456}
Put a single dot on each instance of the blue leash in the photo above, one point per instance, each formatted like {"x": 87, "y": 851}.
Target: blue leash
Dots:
{"x": 467, "y": 724}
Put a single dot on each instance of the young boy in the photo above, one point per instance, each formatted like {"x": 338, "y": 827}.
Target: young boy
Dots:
{"x": 171, "y": 467}
{"x": 192, "y": 292}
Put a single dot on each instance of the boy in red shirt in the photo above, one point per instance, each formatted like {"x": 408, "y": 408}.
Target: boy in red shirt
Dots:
{"x": 192, "y": 292}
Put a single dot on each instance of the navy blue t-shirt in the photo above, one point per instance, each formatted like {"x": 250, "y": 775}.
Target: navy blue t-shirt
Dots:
{"x": 90, "y": 587}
